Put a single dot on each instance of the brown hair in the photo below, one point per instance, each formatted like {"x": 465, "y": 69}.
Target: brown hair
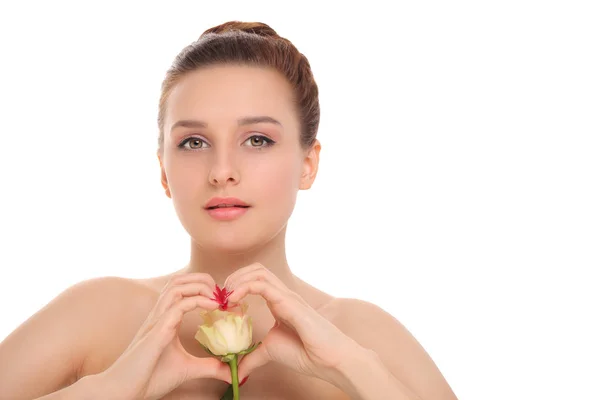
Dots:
{"x": 254, "y": 44}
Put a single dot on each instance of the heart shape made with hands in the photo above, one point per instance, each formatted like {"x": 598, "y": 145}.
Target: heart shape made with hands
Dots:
{"x": 301, "y": 338}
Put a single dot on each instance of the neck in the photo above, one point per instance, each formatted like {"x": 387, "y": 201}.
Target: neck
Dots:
{"x": 220, "y": 265}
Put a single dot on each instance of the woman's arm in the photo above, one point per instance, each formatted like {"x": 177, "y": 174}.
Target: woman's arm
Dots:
{"x": 45, "y": 353}
{"x": 89, "y": 387}
{"x": 331, "y": 343}
{"x": 385, "y": 358}
{"x": 364, "y": 377}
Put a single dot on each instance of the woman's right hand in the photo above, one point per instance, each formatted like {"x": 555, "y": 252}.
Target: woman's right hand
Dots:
{"x": 155, "y": 363}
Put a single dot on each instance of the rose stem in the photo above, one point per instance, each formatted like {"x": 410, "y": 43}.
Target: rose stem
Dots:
{"x": 234, "y": 377}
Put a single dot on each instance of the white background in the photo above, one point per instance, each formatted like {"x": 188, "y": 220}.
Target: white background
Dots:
{"x": 458, "y": 187}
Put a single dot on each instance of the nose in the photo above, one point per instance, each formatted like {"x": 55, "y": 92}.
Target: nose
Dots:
{"x": 223, "y": 171}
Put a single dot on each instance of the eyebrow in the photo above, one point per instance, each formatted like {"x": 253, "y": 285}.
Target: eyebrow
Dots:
{"x": 190, "y": 123}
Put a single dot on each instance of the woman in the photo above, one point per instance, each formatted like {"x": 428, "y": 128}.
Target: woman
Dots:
{"x": 238, "y": 118}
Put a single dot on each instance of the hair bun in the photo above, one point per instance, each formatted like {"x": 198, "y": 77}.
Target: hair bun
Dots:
{"x": 257, "y": 28}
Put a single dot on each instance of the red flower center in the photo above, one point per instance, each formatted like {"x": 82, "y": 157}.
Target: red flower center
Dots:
{"x": 221, "y": 296}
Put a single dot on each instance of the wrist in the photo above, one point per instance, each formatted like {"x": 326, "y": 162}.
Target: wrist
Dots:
{"x": 99, "y": 387}
{"x": 355, "y": 361}
{"x": 363, "y": 375}
{"x": 353, "y": 368}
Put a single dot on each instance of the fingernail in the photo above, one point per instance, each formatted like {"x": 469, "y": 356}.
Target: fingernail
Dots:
{"x": 244, "y": 380}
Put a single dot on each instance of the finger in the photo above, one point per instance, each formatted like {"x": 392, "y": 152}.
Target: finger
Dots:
{"x": 242, "y": 271}
{"x": 253, "y": 272}
{"x": 168, "y": 298}
{"x": 286, "y": 305}
{"x": 252, "y": 361}
{"x": 207, "y": 367}
{"x": 173, "y": 317}
{"x": 179, "y": 291}
{"x": 180, "y": 279}
{"x": 162, "y": 333}
{"x": 265, "y": 289}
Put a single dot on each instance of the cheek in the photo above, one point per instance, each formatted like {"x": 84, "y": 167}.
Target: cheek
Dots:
{"x": 276, "y": 180}
{"x": 185, "y": 176}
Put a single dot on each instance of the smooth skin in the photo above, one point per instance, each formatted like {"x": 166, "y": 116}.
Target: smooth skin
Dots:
{"x": 134, "y": 339}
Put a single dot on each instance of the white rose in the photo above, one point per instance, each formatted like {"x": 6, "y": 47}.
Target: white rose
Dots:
{"x": 225, "y": 332}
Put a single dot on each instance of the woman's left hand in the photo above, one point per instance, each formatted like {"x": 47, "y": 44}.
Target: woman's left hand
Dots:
{"x": 301, "y": 338}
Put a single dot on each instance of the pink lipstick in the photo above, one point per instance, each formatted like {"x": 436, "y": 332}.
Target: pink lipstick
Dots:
{"x": 226, "y": 208}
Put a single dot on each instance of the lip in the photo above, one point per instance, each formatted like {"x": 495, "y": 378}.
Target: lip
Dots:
{"x": 227, "y": 213}
{"x": 215, "y": 201}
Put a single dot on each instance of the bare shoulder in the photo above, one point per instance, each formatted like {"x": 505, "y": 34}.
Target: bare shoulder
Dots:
{"x": 367, "y": 323}
{"x": 374, "y": 328}
{"x": 96, "y": 307}
{"x": 110, "y": 291}
{"x": 48, "y": 350}
{"x": 111, "y": 302}
{"x": 108, "y": 299}
{"x": 357, "y": 318}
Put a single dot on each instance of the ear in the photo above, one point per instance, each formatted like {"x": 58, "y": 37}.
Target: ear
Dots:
{"x": 310, "y": 165}
{"x": 163, "y": 176}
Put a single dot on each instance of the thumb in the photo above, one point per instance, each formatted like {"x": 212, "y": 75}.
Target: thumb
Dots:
{"x": 258, "y": 358}
{"x": 207, "y": 367}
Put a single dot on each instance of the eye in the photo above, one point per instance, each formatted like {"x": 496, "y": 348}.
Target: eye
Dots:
{"x": 257, "y": 140}
{"x": 195, "y": 143}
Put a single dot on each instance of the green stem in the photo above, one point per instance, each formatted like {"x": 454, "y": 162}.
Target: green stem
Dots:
{"x": 233, "y": 364}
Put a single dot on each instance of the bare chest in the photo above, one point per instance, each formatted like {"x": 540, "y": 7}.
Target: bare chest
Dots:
{"x": 270, "y": 382}
{"x": 266, "y": 383}
{"x": 263, "y": 385}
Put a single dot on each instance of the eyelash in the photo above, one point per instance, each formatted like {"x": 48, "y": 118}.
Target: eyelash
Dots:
{"x": 268, "y": 142}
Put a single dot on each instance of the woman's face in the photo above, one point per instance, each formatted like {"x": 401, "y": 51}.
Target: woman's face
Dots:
{"x": 232, "y": 131}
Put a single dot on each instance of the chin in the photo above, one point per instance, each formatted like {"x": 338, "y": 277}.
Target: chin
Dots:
{"x": 237, "y": 237}
{"x": 228, "y": 247}
{"x": 228, "y": 242}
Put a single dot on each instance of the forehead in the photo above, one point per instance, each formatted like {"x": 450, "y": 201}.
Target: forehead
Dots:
{"x": 224, "y": 93}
